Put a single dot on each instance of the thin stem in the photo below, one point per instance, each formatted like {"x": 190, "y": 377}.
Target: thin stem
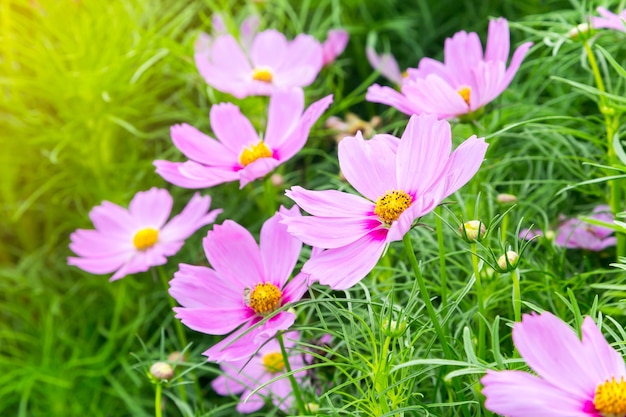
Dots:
{"x": 517, "y": 296}
{"x": 443, "y": 276}
{"x": 269, "y": 191}
{"x": 380, "y": 382}
{"x": 158, "y": 411}
{"x": 292, "y": 379}
{"x": 481, "y": 302}
{"x": 182, "y": 339}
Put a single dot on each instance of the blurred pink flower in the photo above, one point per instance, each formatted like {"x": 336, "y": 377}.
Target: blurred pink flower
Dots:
{"x": 401, "y": 181}
{"x": 575, "y": 378}
{"x": 246, "y": 284}
{"x": 334, "y": 45}
{"x": 245, "y": 375}
{"x": 386, "y": 64}
{"x": 133, "y": 240}
{"x": 609, "y": 20}
{"x": 239, "y": 153}
{"x": 247, "y": 31}
{"x": 466, "y": 81}
{"x": 269, "y": 64}
{"x": 576, "y": 234}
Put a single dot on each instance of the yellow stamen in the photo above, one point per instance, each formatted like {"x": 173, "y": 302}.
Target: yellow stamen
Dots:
{"x": 405, "y": 74}
{"x": 610, "y": 398}
{"x": 262, "y": 74}
{"x": 145, "y": 238}
{"x": 391, "y": 205}
{"x": 263, "y": 299}
{"x": 464, "y": 92}
{"x": 273, "y": 362}
{"x": 253, "y": 152}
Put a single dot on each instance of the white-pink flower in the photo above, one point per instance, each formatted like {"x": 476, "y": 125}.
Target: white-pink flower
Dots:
{"x": 133, "y": 240}
{"x": 334, "y": 45}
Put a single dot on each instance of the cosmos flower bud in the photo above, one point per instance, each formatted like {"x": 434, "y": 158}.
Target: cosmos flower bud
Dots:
{"x": 582, "y": 29}
{"x": 277, "y": 180}
{"x": 176, "y": 357}
{"x": 312, "y": 408}
{"x": 393, "y": 328}
{"x": 472, "y": 231}
{"x": 508, "y": 262}
{"x": 506, "y": 198}
{"x": 161, "y": 371}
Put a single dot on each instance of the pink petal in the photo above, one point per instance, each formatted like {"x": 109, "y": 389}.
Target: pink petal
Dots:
{"x": 498, "y": 40}
{"x": 279, "y": 250}
{"x": 390, "y": 97}
{"x": 516, "y": 62}
{"x": 199, "y": 286}
{"x": 331, "y": 203}
{"x": 199, "y": 147}
{"x": 607, "y": 363}
{"x": 461, "y": 53}
{"x": 250, "y": 403}
{"x": 92, "y": 243}
{"x": 248, "y": 30}
{"x": 232, "y": 128}
{"x": 104, "y": 265}
{"x": 207, "y": 175}
{"x": 436, "y": 96}
{"x": 113, "y": 220}
{"x": 286, "y": 107}
{"x": 151, "y": 208}
{"x": 228, "y": 56}
{"x": 239, "y": 345}
{"x": 195, "y": 215}
{"x": 170, "y": 172}
{"x": 257, "y": 169}
{"x": 139, "y": 262}
{"x": 400, "y": 227}
{"x": 296, "y": 288}
{"x": 224, "y": 385}
{"x": 369, "y": 166}
{"x": 489, "y": 80}
{"x": 334, "y": 45}
{"x": 330, "y": 232}
{"x": 302, "y": 62}
{"x": 214, "y": 319}
{"x": 386, "y": 64}
{"x": 269, "y": 49}
{"x": 463, "y": 164}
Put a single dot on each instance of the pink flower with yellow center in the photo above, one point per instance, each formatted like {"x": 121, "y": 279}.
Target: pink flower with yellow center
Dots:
{"x": 239, "y": 153}
{"x": 465, "y": 82}
{"x": 245, "y": 375}
{"x": 574, "y": 377}
{"x": 246, "y": 284}
{"x": 271, "y": 63}
{"x": 400, "y": 180}
{"x": 609, "y": 20}
{"x": 133, "y": 240}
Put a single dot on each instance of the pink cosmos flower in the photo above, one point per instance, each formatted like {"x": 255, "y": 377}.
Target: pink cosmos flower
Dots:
{"x": 386, "y": 64}
{"x": 609, "y": 20}
{"x": 245, "y": 375}
{"x": 247, "y": 284}
{"x": 466, "y": 81}
{"x": 247, "y": 31}
{"x": 575, "y": 378}
{"x": 576, "y": 234}
{"x": 400, "y": 180}
{"x": 334, "y": 45}
{"x": 133, "y": 240}
{"x": 239, "y": 153}
{"x": 271, "y": 63}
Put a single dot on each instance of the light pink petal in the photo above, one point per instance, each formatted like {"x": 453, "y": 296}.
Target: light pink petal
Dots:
{"x": 234, "y": 254}
{"x": 225, "y": 385}
{"x": 195, "y": 215}
{"x": 170, "y": 172}
{"x": 250, "y": 403}
{"x": 286, "y": 107}
{"x": 608, "y": 362}
{"x": 279, "y": 249}
{"x": 391, "y": 97}
{"x": 104, "y": 265}
{"x": 248, "y": 30}
{"x": 203, "y": 44}
{"x": 140, "y": 262}
{"x": 330, "y": 232}
{"x": 232, "y": 128}
{"x": 92, "y": 243}
{"x": 151, "y": 208}
{"x": 423, "y": 153}
{"x": 552, "y": 349}
{"x": 209, "y": 176}
{"x": 528, "y": 234}
{"x": 331, "y": 203}
{"x": 429, "y": 66}
{"x": 239, "y": 345}
{"x": 343, "y": 267}
{"x": 518, "y": 394}
{"x": 386, "y": 64}
{"x": 369, "y": 166}
{"x": 214, "y": 319}
{"x": 257, "y": 169}
{"x": 219, "y": 27}
{"x": 201, "y": 148}
{"x": 223, "y": 79}
{"x": 463, "y": 164}
{"x": 436, "y": 96}
{"x": 269, "y": 49}
{"x": 199, "y": 286}
{"x": 282, "y": 395}
{"x": 296, "y": 288}
{"x": 488, "y": 78}
{"x": 113, "y": 220}
{"x": 516, "y": 61}
{"x": 498, "y": 40}
{"x": 461, "y": 53}
{"x": 228, "y": 56}
{"x": 400, "y": 227}
{"x": 334, "y": 45}
{"x": 302, "y": 62}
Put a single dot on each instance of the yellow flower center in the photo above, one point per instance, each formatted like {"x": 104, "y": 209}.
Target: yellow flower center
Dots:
{"x": 464, "y": 92}
{"x": 262, "y": 74}
{"x": 610, "y": 398}
{"x": 391, "y": 205}
{"x": 405, "y": 74}
{"x": 274, "y": 362}
{"x": 253, "y": 152}
{"x": 263, "y": 299}
{"x": 145, "y": 238}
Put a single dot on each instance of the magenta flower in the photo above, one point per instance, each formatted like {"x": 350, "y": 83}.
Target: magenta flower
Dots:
{"x": 247, "y": 284}
{"x": 133, "y": 240}
{"x": 271, "y": 63}
{"x": 609, "y": 20}
{"x": 386, "y": 64}
{"x": 334, "y": 45}
{"x": 576, "y": 234}
{"x": 575, "y": 378}
{"x": 401, "y": 180}
{"x": 239, "y": 153}
{"x": 245, "y": 375}
{"x": 466, "y": 81}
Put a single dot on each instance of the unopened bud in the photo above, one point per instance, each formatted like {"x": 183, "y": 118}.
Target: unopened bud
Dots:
{"x": 277, "y": 180}
{"x": 312, "y": 407}
{"x": 582, "y": 29}
{"x": 176, "y": 357}
{"x": 161, "y": 371}
{"x": 550, "y": 235}
{"x": 506, "y": 198}
{"x": 508, "y": 262}
{"x": 472, "y": 230}
{"x": 393, "y": 328}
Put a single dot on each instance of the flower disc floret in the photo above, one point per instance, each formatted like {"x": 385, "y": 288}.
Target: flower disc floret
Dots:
{"x": 610, "y": 398}
{"x": 145, "y": 238}
{"x": 274, "y": 362}
{"x": 264, "y": 298}
{"x": 391, "y": 205}
{"x": 253, "y": 152}
{"x": 465, "y": 92}
{"x": 264, "y": 74}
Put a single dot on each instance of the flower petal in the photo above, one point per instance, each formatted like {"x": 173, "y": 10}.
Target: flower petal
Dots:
{"x": 498, "y": 40}
{"x": 104, "y": 265}
{"x": 195, "y": 215}
{"x": 608, "y": 363}
{"x": 232, "y": 128}
{"x": 112, "y": 220}
{"x": 329, "y": 232}
{"x": 199, "y": 286}
{"x": 269, "y": 49}
{"x": 285, "y": 111}
{"x": 279, "y": 249}
{"x": 171, "y": 172}
{"x": 463, "y": 165}
{"x": 331, "y": 203}
{"x": 202, "y": 148}
{"x": 151, "y": 208}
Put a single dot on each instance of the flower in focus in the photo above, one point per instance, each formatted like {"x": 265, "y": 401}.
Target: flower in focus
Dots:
{"x": 465, "y": 82}
{"x": 245, "y": 375}
{"x": 575, "y": 378}
{"x": 351, "y": 125}
{"x": 334, "y": 45}
{"x": 386, "y": 64}
{"x": 133, "y": 240}
{"x": 609, "y": 20}
{"x": 270, "y": 63}
{"x": 248, "y": 282}
{"x": 400, "y": 180}
{"x": 576, "y": 234}
{"x": 239, "y": 153}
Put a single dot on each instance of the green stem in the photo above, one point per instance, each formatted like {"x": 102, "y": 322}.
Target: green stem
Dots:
{"x": 504, "y": 227}
{"x": 182, "y": 339}
{"x": 443, "y": 276}
{"x": 292, "y": 379}
{"x": 158, "y": 411}
{"x": 481, "y": 303}
{"x": 269, "y": 192}
{"x": 517, "y": 296}
{"x": 380, "y": 382}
